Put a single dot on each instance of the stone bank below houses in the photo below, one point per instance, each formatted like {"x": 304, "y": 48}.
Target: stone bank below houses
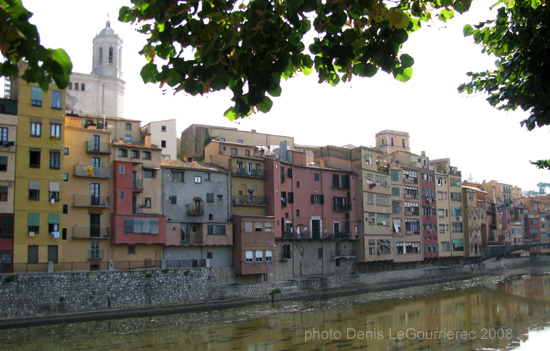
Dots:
{"x": 41, "y": 298}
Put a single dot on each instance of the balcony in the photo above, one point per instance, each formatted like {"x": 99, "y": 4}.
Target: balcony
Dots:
{"x": 98, "y": 148}
{"x": 250, "y": 200}
{"x": 194, "y": 210}
{"x": 137, "y": 184}
{"x": 254, "y": 173}
{"x": 96, "y": 233}
{"x": 92, "y": 172}
{"x": 192, "y": 239}
{"x": 91, "y": 201}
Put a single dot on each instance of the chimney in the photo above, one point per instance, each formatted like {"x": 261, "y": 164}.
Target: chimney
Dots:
{"x": 147, "y": 140}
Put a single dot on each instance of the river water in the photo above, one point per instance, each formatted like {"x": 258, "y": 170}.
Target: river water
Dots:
{"x": 485, "y": 313}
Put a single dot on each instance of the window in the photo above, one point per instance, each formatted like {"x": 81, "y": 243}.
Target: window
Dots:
{"x": 269, "y": 256}
{"x": 207, "y": 177}
{"x": 234, "y": 151}
{"x": 220, "y": 197}
{"x": 317, "y": 199}
{"x": 240, "y": 141}
{"x": 36, "y": 96}
{"x": 33, "y": 223}
{"x": 3, "y": 135}
{"x": 3, "y": 163}
{"x": 147, "y": 203}
{"x": 122, "y": 195}
{"x": 173, "y": 199}
{"x": 56, "y": 99}
{"x": 177, "y": 177}
{"x": 134, "y": 154}
{"x": 316, "y": 177}
{"x": 340, "y": 203}
{"x": 34, "y": 190}
{"x": 149, "y": 173}
{"x": 122, "y": 153}
{"x": 198, "y": 179}
{"x": 54, "y": 191}
{"x": 36, "y": 129}
{"x": 258, "y": 227}
{"x": 319, "y": 253}
{"x": 65, "y": 209}
{"x": 163, "y": 143}
{"x": 394, "y": 175}
{"x": 121, "y": 169}
{"x": 3, "y": 193}
{"x": 209, "y": 197}
{"x": 32, "y": 254}
{"x": 247, "y": 152}
{"x": 76, "y": 86}
{"x": 53, "y": 223}
{"x": 128, "y": 126}
{"x": 55, "y": 159}
{"x": 335, "y": 181}
{"x": 163, "y": 129}
{"x": 368, "y": 159}
{"x": 395, "y": 192}
{"x": 141, "y": 225}
{"x": 216, "y": 229}
{"x": 259, "y": 256}
{"x": 132, "y": 249}
{"x": 248, "y": 257}
{"x": 128, "y": 137}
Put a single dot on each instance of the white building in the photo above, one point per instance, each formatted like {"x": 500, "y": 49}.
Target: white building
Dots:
{"x": 101, "y": 92}
{"x": 163, "y": 134}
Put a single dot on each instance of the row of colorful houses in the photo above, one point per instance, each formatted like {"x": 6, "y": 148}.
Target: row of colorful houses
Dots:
{"x": 91, "y": 192}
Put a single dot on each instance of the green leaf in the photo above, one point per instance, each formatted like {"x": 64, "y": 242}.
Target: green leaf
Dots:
{"x": 230, "y": 114}
{"x": 149, "y": 73}
{"x": 403, "y": 74}
{"x": 275, "y": 92}
{"x": 468, "y": 30}
{"x": 406, "y": 60}
{"x": 265, "y": 105}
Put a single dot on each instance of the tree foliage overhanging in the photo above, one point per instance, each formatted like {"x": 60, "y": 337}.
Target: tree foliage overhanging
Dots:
{"x": 199, "y": 46}
{"x": 20, "y": 42}
{"x": 520, "y": 40}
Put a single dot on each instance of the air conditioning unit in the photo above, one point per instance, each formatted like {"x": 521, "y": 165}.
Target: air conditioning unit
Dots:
{"x": 31, "y": 233}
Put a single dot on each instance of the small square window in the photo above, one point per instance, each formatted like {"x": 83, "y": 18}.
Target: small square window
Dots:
{"x": 66, "y": 177}
{"x": 198, "y": 179}
{"x": 163, "y": 129}
{"x": 132, "y": 249}
{"x": 146, "y": 155}
{"x": 147, "y": 203}
{"x": 66, "y": 151}
{"x": 122, "y": 153}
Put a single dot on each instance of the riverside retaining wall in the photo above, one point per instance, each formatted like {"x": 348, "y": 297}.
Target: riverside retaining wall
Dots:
{"x": 48, "y": 294}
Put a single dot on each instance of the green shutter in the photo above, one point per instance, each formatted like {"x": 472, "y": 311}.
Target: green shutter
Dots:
{"x": 33, "y": 219}
{"x": 53, "y": 218}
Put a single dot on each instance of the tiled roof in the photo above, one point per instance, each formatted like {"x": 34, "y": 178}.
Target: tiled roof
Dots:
{"x": 202, "y": 166}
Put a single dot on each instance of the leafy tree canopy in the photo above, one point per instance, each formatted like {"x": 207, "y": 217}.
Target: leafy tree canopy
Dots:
{"x": 20, "y": 42}
{"x": 519, "y": 38}
{"x": 248, "y": 46}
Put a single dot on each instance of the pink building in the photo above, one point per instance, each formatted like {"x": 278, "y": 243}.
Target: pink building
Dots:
{"x": 310, "y": 202}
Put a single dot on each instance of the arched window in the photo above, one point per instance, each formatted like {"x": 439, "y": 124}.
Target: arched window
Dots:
{"x": 111, "y": 55}
{"x": 100, "y": 55}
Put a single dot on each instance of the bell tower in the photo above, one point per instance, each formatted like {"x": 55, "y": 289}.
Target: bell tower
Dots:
{"x": 107, "y": 53}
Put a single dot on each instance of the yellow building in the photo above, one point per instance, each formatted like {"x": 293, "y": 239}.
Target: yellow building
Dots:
{"x": 86, "y": 195}
{"x": 248, "y": 175}
{"x": 38, "y": 172}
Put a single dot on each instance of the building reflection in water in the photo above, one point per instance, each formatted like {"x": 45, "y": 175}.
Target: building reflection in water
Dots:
{"x": 487, "y": 316}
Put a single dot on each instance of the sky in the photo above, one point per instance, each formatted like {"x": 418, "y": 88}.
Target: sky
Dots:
{"x": 485, "y": 144}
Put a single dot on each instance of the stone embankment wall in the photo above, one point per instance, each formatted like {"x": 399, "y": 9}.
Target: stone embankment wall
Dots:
{"x": 48, "y": 294}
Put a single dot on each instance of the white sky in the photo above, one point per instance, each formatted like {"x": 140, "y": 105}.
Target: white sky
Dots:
{"x": 482, "y": 142}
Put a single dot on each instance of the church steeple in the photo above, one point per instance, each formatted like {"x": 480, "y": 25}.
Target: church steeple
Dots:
{"x": 107, "y": 53}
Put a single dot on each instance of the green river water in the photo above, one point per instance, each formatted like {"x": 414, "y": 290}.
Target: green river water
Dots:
{"x": 485, "y": 313}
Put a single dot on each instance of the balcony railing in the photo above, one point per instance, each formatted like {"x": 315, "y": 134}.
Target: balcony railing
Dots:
{"x": 250, "y": 200}
{"x": 91, "y": 201}
{"x": 98, "y": 148}
{"x": 194, "y": 210}
{"x": 252, "y": 173}
{"x": 91, "y": 171}
{"x": 192, "y": 239}
{"x": 83, "y": 232}
{"x": 137, "y": 184}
